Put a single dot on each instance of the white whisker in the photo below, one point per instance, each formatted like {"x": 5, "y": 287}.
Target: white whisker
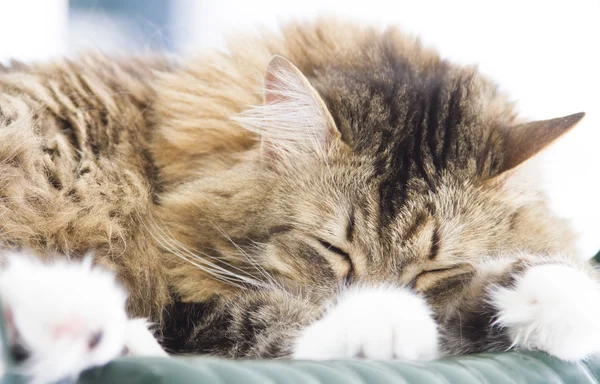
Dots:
{"x": 251, "y": 260}
{"x": 177, "y": 249}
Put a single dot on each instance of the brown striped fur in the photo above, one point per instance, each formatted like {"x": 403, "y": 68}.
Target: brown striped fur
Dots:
{"x": 139, "y": 160}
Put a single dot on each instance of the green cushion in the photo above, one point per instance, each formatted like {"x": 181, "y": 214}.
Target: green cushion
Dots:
{"x": 510, "y": 367}
{"x": 596, "y": 258}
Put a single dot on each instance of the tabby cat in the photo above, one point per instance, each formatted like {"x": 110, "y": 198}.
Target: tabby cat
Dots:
{"x": 333, "y": 191}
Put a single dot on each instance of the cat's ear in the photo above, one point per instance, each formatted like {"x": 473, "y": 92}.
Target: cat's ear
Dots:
{"x": 524, "y": 141}
{"x": 293, "y": 118}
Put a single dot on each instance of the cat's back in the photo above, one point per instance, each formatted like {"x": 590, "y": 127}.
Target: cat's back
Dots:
{"x": 76, "y": 173}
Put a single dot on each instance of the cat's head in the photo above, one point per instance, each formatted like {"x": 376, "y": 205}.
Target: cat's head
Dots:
{"x": 394, "y": 173}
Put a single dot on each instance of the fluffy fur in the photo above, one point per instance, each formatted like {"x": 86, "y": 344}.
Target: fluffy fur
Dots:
{"x": 381, "y": 323}
{"x": 234, "y": 205}
{"x": 63, "y": 317}
{"x": 551, "y": 307}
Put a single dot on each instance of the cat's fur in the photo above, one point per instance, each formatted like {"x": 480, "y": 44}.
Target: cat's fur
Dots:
{"x": 374, "y": 162}
{"x": 64, "y": 317}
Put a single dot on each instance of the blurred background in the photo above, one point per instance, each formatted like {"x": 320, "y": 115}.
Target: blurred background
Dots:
{"x": 545, "y": 54}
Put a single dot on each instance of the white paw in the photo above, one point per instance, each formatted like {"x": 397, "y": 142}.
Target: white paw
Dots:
{"x": 380, "y": 323}
{"x": 553, "y": 308}
{"x": 139, "y": 341}
{"x": 67, "y": 316}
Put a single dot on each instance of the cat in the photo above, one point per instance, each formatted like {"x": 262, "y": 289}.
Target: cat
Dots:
{"x": 334, "y": 191}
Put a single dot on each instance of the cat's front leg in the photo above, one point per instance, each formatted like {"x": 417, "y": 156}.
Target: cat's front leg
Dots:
{"x": 553, "y": 308}
{"x": 384, "y": 323}
{"x": 379, "y": 323}
{"x": 252, "y": 324}
{"x": 64, "y": 317}
{"x": 550, "y": 304}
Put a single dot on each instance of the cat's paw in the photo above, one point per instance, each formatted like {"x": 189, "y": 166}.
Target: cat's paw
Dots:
{"x": 553, "y": 308}
{"x": 380, "y": 323}
{"x": 64, "y": 317}
{"x": 139, "y": 341}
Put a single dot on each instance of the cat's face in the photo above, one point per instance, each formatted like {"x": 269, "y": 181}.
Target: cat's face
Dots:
{"x": 388, "y": 178}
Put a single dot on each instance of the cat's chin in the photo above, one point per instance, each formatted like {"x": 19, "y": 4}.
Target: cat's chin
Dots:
{"x": 378, "y": 323}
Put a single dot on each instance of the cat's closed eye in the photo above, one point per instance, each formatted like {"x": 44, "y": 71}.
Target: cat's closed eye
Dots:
{"x": 330, "y": 247}
{"x": 430, "y": 277}
{"x": 341, "y": 262}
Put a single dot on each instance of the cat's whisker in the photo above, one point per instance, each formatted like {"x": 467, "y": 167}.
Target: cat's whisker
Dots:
{"x": 257, "y": 266}
{"x": 259, "y": 245}
{"x": 251, "y": 260}
{"x": 198, "y": 262}
{"x": 203, "y": 268}
{"x": 261, "y": 270}
{"x": 187, "y": 250}
{"x": 217, "y": 271}
{"x": 162, "y": 242}
{"x": 231, "y": 254}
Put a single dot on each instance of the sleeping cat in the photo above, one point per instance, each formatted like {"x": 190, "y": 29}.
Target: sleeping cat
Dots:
{"x": 334, "y": 191}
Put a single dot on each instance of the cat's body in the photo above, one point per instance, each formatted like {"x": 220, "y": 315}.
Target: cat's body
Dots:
{"x": 373, "y": 164}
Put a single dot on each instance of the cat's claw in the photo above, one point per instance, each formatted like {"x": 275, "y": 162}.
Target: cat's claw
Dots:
{"x": 67, "y": 317}
{"x": 381, "y": 323}
{"x": 553, "y": 308}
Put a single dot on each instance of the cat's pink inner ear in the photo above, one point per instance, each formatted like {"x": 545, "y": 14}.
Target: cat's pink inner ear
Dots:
{"x": 278, "y": 71}
{"x": 524, "y": 141}
{"x": 296, "y": 118}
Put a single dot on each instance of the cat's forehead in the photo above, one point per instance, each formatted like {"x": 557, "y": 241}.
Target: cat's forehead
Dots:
{"x": 413, "y": 126}
{"x": 385, "y": 105}
{"x": 380, "y": 209}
